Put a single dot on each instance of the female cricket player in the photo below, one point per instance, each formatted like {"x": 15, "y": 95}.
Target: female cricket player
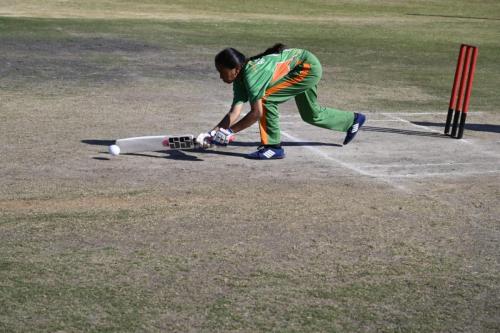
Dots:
{"x": 265, "y": 81}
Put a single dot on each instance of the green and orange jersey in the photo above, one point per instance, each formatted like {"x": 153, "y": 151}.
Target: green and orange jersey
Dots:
{"x": 261, "y": 73}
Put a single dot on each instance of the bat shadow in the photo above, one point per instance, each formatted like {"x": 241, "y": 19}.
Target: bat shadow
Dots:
{"x": 169, "y": 154}
{"x": 98, "y": 142}
{"x": 185, "y": 155}
{"x": 179, "y": 155}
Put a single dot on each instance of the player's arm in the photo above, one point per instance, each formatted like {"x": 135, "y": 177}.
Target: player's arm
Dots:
{"x": 222, "y": 137}
{"x": 225, "y": 135}
{"x": 231, "y": 117}
{"x": 250, "y": 118}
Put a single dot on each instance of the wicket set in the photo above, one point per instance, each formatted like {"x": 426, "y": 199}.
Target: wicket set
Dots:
{"x": 460, "y": 93}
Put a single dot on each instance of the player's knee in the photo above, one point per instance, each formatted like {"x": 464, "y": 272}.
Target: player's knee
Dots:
{"x": 311, "y": 117}
{"x": 308, "y": 119}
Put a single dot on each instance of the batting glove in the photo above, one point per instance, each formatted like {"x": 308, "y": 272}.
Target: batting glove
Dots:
{"x": 205, "y": 139}
{"x": 223, "y": 136}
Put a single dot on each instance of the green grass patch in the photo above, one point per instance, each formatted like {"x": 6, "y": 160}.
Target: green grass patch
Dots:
{"x": 384, "y": 56}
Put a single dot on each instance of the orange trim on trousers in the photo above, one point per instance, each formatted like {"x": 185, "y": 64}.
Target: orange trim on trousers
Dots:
{"x": 306, "y": 68}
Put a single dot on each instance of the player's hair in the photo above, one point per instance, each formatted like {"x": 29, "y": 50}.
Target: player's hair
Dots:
{"x": 276, "y": 48}
{"x": 232, "y": 58}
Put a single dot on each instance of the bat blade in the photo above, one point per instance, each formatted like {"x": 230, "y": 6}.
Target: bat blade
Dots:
{"x": 155, "y": 143}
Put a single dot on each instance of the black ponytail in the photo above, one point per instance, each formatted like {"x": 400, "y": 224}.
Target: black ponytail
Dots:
{"x": 232, "y": 58}
{"x": 276, "y": 48}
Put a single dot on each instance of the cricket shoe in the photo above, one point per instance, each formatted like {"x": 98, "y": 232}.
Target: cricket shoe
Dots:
{"x": 268, "y": 153}
{"x": 359, "y": 120}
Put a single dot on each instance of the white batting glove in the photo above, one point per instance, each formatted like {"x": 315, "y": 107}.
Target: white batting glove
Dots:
{"x": 205, "y": 139}
{"x": 223, "y": 136}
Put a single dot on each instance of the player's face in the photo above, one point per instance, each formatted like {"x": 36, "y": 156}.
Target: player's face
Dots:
{"x": 227, "y": 75}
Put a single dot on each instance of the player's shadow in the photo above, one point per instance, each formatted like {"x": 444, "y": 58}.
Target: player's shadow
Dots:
{"x": 286, "y": 144}
{"x": 309, "y": 144}
{"x": 186, "y": 155}
{"x": 255, "y": 145}
{"x": 223, "y": 152}
{"x": 105, "y": 142}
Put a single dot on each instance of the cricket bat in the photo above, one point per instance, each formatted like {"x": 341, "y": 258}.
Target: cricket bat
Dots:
{"x": 153, "y": 143}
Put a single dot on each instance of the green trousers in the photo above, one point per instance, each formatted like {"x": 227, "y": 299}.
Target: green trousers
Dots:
{"x": 300, "y": 83}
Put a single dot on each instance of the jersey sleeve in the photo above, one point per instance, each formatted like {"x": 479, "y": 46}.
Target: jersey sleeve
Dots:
{"x": 239, "y": 92}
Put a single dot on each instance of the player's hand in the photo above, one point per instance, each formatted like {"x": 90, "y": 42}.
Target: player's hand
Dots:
{"x": 205, "y": 139}
{"x": 223, "y": 136}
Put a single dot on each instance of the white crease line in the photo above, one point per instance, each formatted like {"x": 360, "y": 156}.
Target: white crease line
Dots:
{"x": 448, "y": 164}
{"x": 342, "y": 163}
{"x": 438, "y": 174}
{"x": 412, "y": 124}
{"x": 326, "y": 156}
{"x": 436, "y": 131}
